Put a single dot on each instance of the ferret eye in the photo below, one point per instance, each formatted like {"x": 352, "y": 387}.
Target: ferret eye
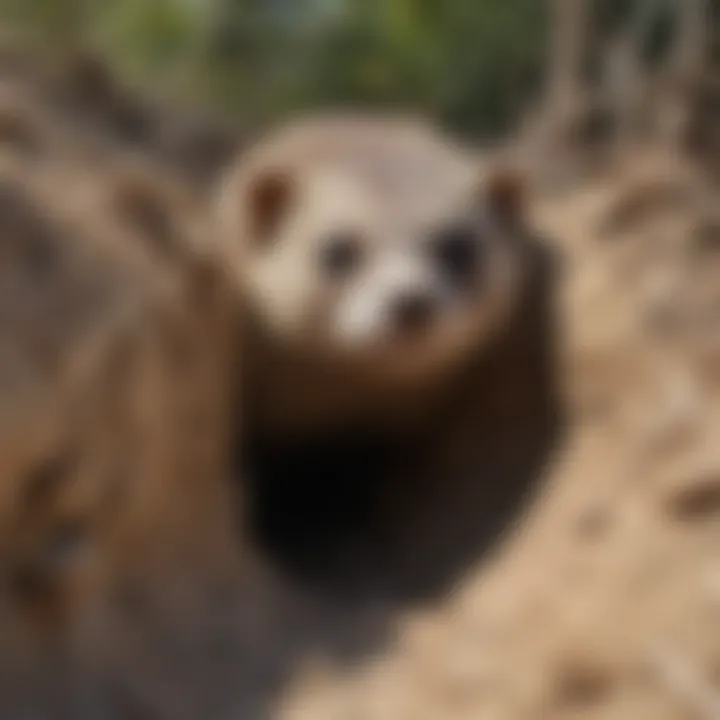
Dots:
{"x": 457, "y": 250}
{"x": 341, "y": 254}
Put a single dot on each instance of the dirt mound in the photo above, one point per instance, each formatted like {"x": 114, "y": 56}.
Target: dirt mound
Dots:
{"x": 78, "y": 99}
{"x": 603, "y": 599}
{"x": 562, "y": 569}
{"x": 115, "y": 376}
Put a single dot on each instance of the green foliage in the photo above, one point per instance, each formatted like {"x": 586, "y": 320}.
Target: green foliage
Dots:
{"x": 57, "y": 21}
{"x": 471, "y": 63}
{"x": 148, "y": 35}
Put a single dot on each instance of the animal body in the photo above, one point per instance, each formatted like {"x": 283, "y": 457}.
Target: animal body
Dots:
{"x": 374, "y": 257}
{"x": 385, "y": 277}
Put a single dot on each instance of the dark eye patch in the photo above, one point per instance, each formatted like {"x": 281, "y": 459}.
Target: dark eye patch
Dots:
{"x": 341, "y": 254}
{"x": 458, "y": 250}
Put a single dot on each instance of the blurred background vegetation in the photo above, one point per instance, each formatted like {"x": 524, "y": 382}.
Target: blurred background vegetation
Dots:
{"x": 471, "y": 63}
{"x": 475, "y": 65}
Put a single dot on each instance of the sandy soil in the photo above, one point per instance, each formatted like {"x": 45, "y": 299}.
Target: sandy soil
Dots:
{"x": 597, "y": 595}
{"x": 604, "y": 600}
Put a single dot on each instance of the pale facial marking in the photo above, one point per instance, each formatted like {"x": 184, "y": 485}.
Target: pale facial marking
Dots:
{"x": 362, "y": 275}
{"x": 364, "y": 314}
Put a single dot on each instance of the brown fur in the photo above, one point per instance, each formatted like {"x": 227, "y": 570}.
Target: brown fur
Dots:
{"x": 114, "y": 425}
{"x": 292, "y": 380}
{"x": 373, "y": 475}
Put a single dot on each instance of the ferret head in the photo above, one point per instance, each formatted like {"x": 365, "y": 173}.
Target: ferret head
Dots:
{"x": 385, "y": 248}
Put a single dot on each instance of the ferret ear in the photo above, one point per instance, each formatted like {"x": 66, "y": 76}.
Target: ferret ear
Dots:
{"x": 269, "y": 194}
{"x": 505, "y": 194}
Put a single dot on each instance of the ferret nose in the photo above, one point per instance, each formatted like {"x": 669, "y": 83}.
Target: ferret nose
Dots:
{"x": 412, "y": 311}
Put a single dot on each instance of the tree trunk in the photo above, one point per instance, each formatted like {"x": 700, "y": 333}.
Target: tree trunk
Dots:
{"x": 568, "y": 54}
{"x": 685, "y": 72}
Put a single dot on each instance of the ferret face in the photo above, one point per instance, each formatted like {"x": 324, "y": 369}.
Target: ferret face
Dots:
{"x": 395, "y": 267}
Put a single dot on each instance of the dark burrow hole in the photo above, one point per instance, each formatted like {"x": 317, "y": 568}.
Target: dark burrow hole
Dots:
{"x": 314, "y": 505}
{"x": 367, "y": 517}
{"x": 358, "y": 517}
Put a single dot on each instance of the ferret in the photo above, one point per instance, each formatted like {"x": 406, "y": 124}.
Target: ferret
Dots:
{"x": 389, "y": 301}
{"x": 374, "y": 258}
